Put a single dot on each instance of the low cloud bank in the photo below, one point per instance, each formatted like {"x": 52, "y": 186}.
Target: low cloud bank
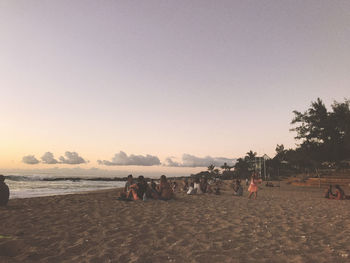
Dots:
{"x": 189, "y": 160}
{"x": 122, "y": 158}
{"x": 72, "y": 158}
{"x": 48, "y": 158}
{"x": 30, "y": 159}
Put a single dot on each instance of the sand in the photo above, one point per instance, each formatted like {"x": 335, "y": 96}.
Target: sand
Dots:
{"x": 286, "y": 224}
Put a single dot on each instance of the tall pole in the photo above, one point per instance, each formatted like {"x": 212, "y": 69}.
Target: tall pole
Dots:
{"x": 264, "y": 168}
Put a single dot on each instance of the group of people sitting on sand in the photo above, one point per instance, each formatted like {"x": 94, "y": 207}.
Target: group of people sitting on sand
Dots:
{"x": 339, "y": 193}
{"x": 142, "y": 190}
{"x": 201, "y": 186}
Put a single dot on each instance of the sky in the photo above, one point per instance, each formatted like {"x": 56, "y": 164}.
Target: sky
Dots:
{"x": 162, "y": 86}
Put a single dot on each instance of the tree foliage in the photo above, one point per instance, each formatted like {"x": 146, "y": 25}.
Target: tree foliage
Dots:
{"x": 226, "y": 167}
{"x": 242, "y": 168}
{"x": 211, "y": 168}
{"x": 323, "y": 135}
{"x": 250, "y": 156}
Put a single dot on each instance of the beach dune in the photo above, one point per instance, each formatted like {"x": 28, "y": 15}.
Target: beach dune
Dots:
{"x": 285, "y": 224}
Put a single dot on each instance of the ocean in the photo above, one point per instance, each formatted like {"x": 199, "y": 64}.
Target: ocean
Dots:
{"x": 35, "y": 185}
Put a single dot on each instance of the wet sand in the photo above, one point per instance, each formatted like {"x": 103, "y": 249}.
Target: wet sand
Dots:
{"x": 286, "y": 224}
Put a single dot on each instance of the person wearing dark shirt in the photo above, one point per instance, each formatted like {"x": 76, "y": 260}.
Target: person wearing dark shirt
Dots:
{"x": 139, "y": 190}
{"x": 329, "y": 193}
{"x": 4, "y": 191}
{"x": 153, "y": 191}
{"x": 142, "y": 187}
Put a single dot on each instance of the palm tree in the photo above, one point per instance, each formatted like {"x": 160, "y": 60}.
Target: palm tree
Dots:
{"x": 211, "y": 168}
{"x": 250, "y": 158}
{"x": 250, "y": 155}
{"x": 226, "y": 167}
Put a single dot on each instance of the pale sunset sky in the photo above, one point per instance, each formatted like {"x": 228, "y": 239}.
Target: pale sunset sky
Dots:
{"x": 162, "y": 86}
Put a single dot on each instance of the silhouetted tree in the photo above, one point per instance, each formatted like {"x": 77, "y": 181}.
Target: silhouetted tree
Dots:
{"x": 211, "y": 168}
{"x": 226, "y": 167}
{"x": 324, "y": 135}
{"x": 251, "y": 155}
{"x": 242, "y": 168}
{"x": 280, "y": 152}
{"x": 250, "y": 159}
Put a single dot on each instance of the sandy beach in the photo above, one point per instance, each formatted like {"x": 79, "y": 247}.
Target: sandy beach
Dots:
{"x": 285, "y": 224}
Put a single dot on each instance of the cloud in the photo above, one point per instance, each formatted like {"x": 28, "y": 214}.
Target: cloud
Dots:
{"x": 30, "y": 159}
{"x": 122, "y": 158}
{"x": 71, "y": 158}
{"x": 189, "y": 160}
{"x": 48, "y": 158}
{"x": 171, "y": 163}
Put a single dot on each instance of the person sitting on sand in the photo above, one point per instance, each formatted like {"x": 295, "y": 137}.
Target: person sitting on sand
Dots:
{"x": 238, "y": 189}
{"x": 127, "y": 187}
{"x": 153, "y": 190}
{"x": 269, "y": 184}
{"x": 174, "y": 187}
{"x": 209, "y": 189}
{"x": 143, "y": 190}
{"x": 4, "y": 191}
{"x": 129, "y": 182}
{"x": 185, "y": 185}
{"x": 153, "y": 185}
{"x": 329, "y": 193}
{"x": 139, "y": 190}
{"x": 217, "y": 190}
{"x": 253, "y": 187}
{"x": 191, "y": 190}
{"x": 203, "y": 184}
{"x": 339, "y": 193}
{"x": 164, "y": 189}
{"x": 197, "y": 186}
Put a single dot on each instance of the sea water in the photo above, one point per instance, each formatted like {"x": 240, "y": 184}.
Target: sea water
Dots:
{"x": 35, "y": 186}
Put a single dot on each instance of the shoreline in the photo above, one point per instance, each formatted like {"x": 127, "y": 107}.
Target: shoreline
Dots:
{"x": 117, "y": 189}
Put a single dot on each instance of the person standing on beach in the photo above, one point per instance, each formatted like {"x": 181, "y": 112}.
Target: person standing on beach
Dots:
{"x": 253, "y": 187}
{"x": 4, "y": 191}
